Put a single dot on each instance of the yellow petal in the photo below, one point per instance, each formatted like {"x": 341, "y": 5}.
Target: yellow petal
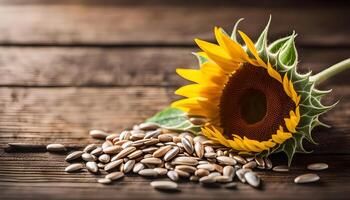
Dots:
{"x": 234, "y": 49}
{"x": 252, "y": 48}
{"x": 286, "y": 85}
{"x": 197, "y": 90}
{"x": 190, "y": 74}
{"x": 273, "y": 73}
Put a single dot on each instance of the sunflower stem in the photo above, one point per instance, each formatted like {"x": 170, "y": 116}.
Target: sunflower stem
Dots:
{"x": 331, "y": 71}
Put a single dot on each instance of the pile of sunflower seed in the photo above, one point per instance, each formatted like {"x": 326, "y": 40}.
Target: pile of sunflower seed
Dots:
{"x": 154, "y": 152}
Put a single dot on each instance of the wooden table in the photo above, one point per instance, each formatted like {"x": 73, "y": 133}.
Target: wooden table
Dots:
{"x": 70, "y": 66}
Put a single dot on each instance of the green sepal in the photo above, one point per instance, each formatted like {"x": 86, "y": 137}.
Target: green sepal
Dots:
{"x": 287, "y": 58}
{"x": 261, "y": 43}
{"x": 234, "y": 31}
{"x": 201, "y": 59}
{"x": 174, "y": 119}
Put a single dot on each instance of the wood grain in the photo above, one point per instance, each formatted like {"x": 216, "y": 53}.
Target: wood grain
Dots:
{"x": 165, "y": 25}
{"x": 65, "y": 115}
{"x": 41, "y": 175}
{"x": 151, "y": 66}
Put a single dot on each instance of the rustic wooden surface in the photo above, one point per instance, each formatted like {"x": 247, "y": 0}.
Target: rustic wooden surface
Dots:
{"x": 67, "y": 67}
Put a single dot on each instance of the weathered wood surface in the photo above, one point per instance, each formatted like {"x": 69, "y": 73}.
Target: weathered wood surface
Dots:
{"x": 70, "y": 66}
{"x": 66, "y": 114}
{"x": 318, "y": 24}
{"x": 64, "y": 66}
{"x": 41, "y": 176}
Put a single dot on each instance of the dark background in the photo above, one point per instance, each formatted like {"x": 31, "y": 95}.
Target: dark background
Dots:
{"x": 70, "y": 66}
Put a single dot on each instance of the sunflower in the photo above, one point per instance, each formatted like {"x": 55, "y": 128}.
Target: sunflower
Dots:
{"x": 251, "y": 95}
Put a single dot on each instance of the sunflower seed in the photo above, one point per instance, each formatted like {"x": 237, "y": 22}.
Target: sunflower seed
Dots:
{"x": 74, "y": 167}
{"x": 161, "y": 171}
{"x": 113, "y": 164}
{"x": 209, "y": 149}
{"x": 88, "y": 157}
{"x": 111, "y": 137}
{"x": 173, "y": 175}
{"x": 148, "y": 126}
{"x": 153, "y": 161}
{"x": 182, "y": 174}
{"x": 207, "y": 180}
{"x": 197, "y": 121}
{"x": 162, "y": 151}
{"x": 148, "y": 173}
{"x": 106, "y": 144}
{"x": 240, "y": 174}
{"x": 218, "y": 168}
{"x": 194, "y": 178}
{"x": 104, "y": 181}
{"x": 281, "y": 168}
{"x": 171, "y": 153}
{"x": 113, "y": 149}
{"x": 176, "y": 139}
{"x": 225, "y": 160}
{"x": 128, "y": 166}
{"x": 149, "y": 150}
{"x": 153, "y": 134}
{"x": 317, "y": 166}
{"x": 208, "y": 167}
{"x": 135, "y": 154}
{"x": 260, "y": 162}
{"x": 164, "y": 185}
{"x": 199, "y": 149}
{"x": 165, "y": 138}
{"x": 92, "y": 167}
{"x": 98, "y": 134}
{"x": 56, "y": 148}
{"x": 232, "y": 185}
{"x": 187, "y": 145}
{"x": 307, "y": 178}
{"x": 96, "y": 152}
{"x": 250, "y": 165}
{"x": 184, "y": 161}
{"x": 138, "y": 167}
{"x": 124, "y": 153}
{"x": 252, "y": 179}
{"x": 229, "y": 171}
{"x": 127, "y": 144}
{"x": 201, "y": 172}
{"x": 74, "y": 155}
{"x": 150, "y": 142}
{"x": 200, "y": 138}
{"x": 125, "y": 135}
{"x": 115, "y": 175}
{"x": 90, "y": 148}
{"x": 210, "y": 155}
{"x": 239, "y": 159}
{"x": 101, "y": 165}
{"x": 222, "y": 179}
{"x": 268, "y": 163}
{"x": 186, "y": 168}
{"x": 104, "y": 158}
{"x": 213, "y": 174}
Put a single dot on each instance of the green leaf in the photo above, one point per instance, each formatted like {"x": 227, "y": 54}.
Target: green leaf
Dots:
{"x": 174, "y": 119}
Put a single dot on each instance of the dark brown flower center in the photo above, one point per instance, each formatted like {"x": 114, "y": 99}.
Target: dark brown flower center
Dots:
{"x": 253, "y": 104}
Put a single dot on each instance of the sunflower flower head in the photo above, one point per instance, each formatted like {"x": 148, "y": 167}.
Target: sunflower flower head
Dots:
{"x": 251, "y": 94}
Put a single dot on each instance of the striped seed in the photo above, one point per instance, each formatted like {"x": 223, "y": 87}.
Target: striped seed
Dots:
{"x": 74, "y": 167}
{"x": 56, "y": 148}
{"x": 74, "y": 155}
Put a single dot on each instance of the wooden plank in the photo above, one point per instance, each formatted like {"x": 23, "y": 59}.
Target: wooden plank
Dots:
{"x": 63, "y": 66}
{"x": 45, "y": 115}
{"x": 46, "y": 24}
{"x": 37, "y": 176}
